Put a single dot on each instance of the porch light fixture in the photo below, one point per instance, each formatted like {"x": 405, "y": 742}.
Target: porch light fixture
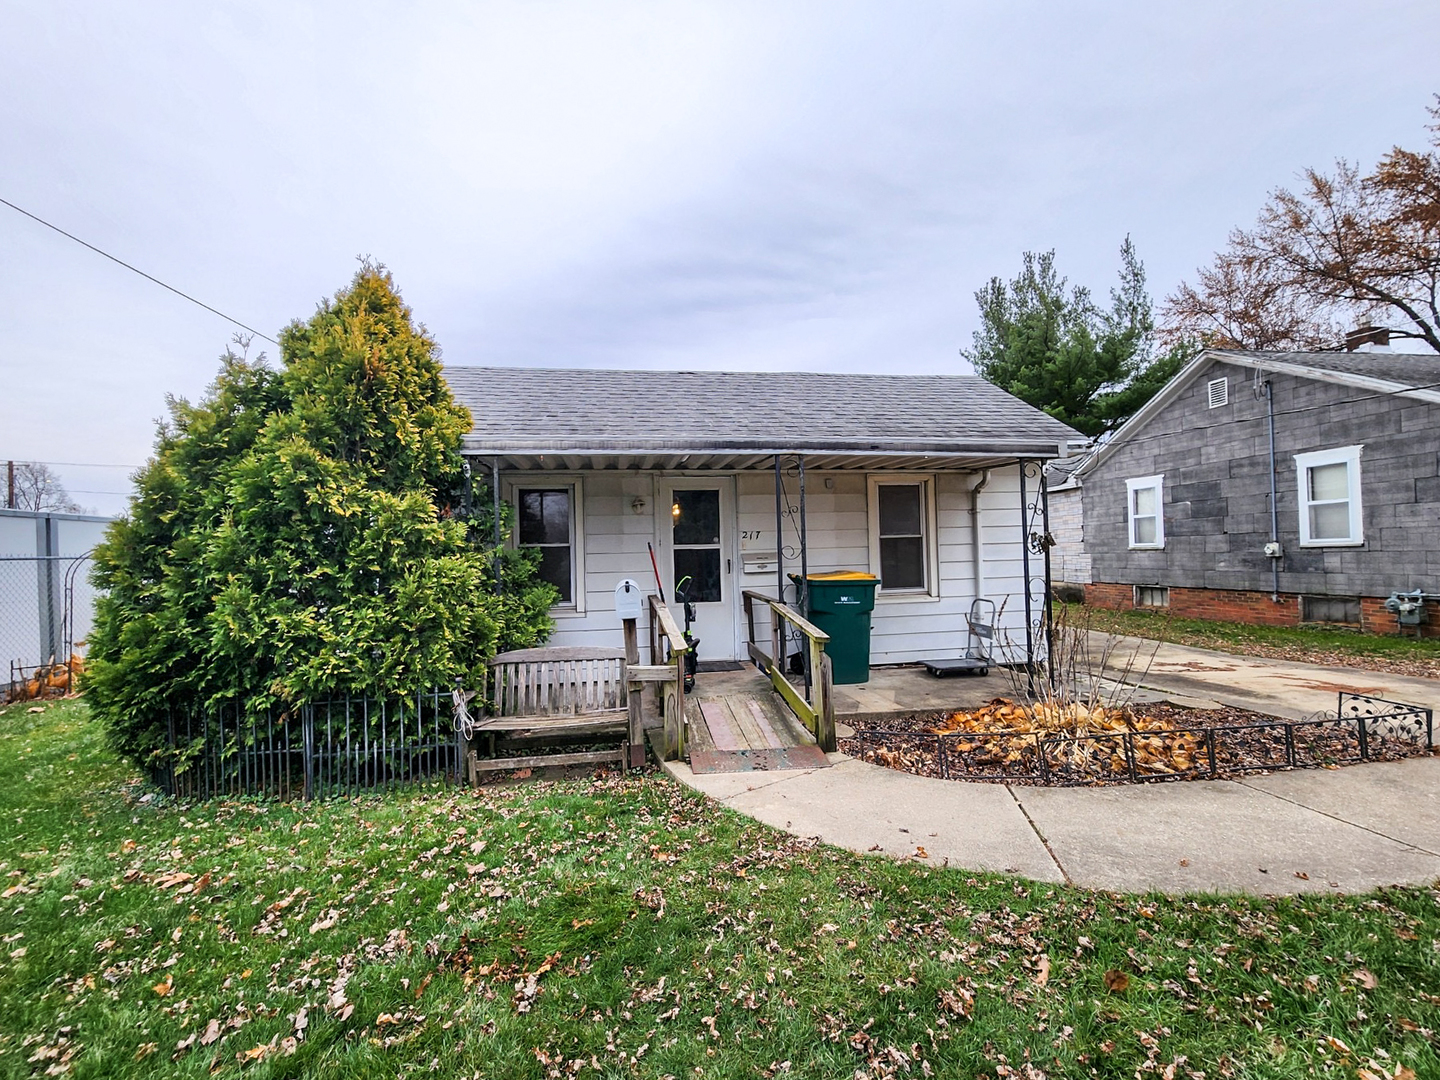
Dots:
{"x": 637, "y": 505}
{"x": 675, "y": 510}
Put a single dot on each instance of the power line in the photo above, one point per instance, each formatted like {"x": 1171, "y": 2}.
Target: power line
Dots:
{"x": 77, "y": 464}
{"x": 142, "y": 273}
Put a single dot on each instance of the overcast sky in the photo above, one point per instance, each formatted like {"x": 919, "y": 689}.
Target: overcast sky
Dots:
{"x": 818, "y": 186}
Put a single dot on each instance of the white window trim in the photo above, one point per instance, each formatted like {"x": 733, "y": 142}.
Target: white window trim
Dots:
{"x": 552, "y": 481}
{"x": 929, "y": 518}
{"x": 1350, "y": 457}
{"x": 1139, "y": 484}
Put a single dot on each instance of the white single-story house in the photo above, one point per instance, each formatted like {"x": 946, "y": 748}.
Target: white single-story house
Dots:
{"x": 933, "y": 483}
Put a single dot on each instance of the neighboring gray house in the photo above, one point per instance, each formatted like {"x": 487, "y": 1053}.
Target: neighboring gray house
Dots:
{"x": 917, "y": 479}
{"x": 1179, "y": 510}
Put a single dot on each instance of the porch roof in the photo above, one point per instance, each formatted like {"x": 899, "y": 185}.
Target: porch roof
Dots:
{"x": 587, "y": 418}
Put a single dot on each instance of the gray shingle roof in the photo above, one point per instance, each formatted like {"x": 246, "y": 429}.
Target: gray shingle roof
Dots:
{"x": 1410, "y": 370}
{"x": 719, "y": 407}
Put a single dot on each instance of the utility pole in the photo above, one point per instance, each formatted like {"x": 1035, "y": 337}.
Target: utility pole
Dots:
{"x": 10, "y": 498}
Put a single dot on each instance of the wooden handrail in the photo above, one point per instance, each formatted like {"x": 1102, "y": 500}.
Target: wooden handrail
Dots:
{"x": 818, "y": 712}
{"x": 671, "y": 691}
{"x": 793, "y": 617}
{"x": 661, "y": 614}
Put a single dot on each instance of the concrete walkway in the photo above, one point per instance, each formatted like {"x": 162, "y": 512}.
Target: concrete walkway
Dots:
{"x": 1349, "y": 829}
{"x": 1279, "y": 687}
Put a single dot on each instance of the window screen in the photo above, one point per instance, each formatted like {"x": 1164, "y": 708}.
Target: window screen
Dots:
{"x": 695, "y": 531}
{"x": 545, "y": 524}
{"x": 902, "y": 536}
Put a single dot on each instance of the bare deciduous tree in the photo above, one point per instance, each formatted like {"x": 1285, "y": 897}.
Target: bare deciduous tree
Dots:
{"x": 38, "y": 488}
{"x": 1346, "y": 247}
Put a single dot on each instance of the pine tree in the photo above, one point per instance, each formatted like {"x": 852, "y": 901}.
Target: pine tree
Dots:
{"x": 1050, "y": 345}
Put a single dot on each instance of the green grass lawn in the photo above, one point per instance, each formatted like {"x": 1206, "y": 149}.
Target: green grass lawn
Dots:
{"x": 627, "y": 928}
{"x": 1322, "y": 644}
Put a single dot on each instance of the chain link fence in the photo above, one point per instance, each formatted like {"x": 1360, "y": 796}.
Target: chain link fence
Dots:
{"x": 47, "y": 607}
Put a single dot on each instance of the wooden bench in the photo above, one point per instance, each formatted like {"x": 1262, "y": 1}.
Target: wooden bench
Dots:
{"x": 553, "y": 694}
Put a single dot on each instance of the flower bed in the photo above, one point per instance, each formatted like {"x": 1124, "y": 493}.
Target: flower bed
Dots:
{"x": 1005, "y": 742}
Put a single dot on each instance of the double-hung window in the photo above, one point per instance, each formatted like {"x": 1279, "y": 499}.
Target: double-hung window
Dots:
{"x": 902, "y": 531}
{"x": 1329, "y": 486}
{"x": 1145, "y": 516}
{"x": 547, "y": 519}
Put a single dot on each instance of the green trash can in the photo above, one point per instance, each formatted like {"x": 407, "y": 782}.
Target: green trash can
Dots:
{"x": 840, "y": 604}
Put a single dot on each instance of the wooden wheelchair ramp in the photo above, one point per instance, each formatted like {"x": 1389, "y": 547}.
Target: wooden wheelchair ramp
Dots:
{"x": 745, "y": 728}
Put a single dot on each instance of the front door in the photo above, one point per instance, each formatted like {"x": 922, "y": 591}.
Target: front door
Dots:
{"x": 697, "y": 545}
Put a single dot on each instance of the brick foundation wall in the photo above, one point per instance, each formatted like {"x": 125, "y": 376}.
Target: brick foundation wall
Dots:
{"x": 1243, "y": 606}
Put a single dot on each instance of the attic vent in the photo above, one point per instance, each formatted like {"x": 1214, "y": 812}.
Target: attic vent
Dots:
{"x": 1218, "y": 392}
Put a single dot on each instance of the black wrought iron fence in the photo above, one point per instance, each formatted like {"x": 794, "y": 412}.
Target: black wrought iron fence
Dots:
{"x": 1362, "y": 729}
{"x": 345, "y": 746}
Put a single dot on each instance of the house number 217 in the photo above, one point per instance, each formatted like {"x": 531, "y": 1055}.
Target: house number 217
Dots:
{"x": 750, "y": 534}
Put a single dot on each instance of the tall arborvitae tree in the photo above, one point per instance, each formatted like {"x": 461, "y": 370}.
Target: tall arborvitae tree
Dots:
{"x": 1050, "y": 345}
{"x": 302, "y": 533}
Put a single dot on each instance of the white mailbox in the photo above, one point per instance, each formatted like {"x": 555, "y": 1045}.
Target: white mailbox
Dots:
{"x": 628, "y": 600}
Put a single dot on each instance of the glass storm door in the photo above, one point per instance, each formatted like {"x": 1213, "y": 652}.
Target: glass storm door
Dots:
{"x": 698, "y": 537}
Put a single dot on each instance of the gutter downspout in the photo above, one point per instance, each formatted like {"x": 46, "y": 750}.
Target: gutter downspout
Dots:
{"x": 979, "y": 562}
{"x": 1274, "y": 510}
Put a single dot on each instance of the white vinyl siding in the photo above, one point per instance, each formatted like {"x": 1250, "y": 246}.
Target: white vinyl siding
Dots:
{"x": 1329, "y": 487}
{"x": 904, "y": 628}
{"x": 1145, "y": 512}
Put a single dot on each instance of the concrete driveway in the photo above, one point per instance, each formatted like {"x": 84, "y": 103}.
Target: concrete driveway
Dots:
{"x": 1324, "y": 830}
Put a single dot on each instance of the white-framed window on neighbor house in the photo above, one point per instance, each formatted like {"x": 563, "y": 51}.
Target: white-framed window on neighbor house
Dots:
{"x": 1329, "y": 486}
{"x": 1145, "y": 514}
{"x": 902, "y": 534}
{"x": 548, "y": 517}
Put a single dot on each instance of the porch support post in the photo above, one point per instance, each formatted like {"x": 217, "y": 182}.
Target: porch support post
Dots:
{"x": 1025, "y": 583}
{"x": 1049, "y": 591}
{"x": 802, "y": 600}
{"x": 495, "y": 498}
{"x": 779, "y": 538}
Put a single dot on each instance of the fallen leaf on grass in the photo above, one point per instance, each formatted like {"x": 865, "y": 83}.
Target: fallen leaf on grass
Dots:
{"x": 127, "y": 846}
{"x": 164, "y": 881}
{"x": 164, "y": 988}
{"x": 326, "y": 922}
{"x": 1117, "y": 982}
{"x": 1365, "y": 979}
{"x": 212, "y": 1033}
{"x": 144, "y": 1050}
{"x": 921, "y": 853}
{"x": 523, "y": 774}
{"x": 196, "y": 887}
{"x": 1042, "y": 970}
{"x": 959, "y": 1001}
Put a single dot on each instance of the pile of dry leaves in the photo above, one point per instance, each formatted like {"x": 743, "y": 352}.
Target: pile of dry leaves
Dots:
{"x": 1073, "y": 743}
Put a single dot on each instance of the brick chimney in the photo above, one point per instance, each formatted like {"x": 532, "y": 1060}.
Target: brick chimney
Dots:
{"x": 1367, "y": 338}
